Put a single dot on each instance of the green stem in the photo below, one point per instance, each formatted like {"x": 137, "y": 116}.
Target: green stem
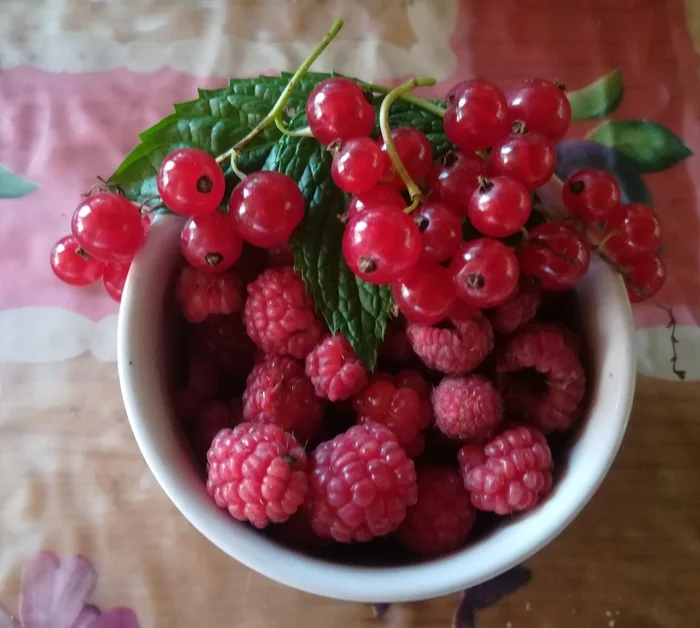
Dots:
{"x": 285, "y": 130}
{"x": 234, "y": 166}
{"x": 413, "y": 189}
{"x": 414, "y": 100}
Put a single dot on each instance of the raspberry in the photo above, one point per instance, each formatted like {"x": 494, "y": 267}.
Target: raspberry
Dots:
{"x": 223, "y": 340}
{"x": 361, "y": 483}
{"x": 211, "y": 418}
{"x": 279, "y": 315}
{"x": 258, "y": 472}
{"x": 201, "y": 293}
{"x": 541, "y": 377}
{"x": 467, "y": 408}
{"x": 277, "y": 391}
{"x": 512, "y": 472}
{"x": 334, "y": 369}
{"x": 519, "y": 308}
{"x": 455, "y": 346}
{"x": 442, "y": 518}
{"x": 395, "y": 346}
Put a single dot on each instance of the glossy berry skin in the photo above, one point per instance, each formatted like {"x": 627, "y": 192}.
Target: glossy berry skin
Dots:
{"x": 542, "y": 106}
{"x": 114, "y": 278}
{"x": 453, "y": 179}
{"x": 211, "y": 242}
{"x": 380, "y": 245}
{"x": 358, "y": 165}
{"x": 109, "y": 227}
{"x": 556, "y": 255}
{"x": 527, "y": 157}
{"x": 72, "y": 265}
{"x": 477, "y": 116}
{"x": 441, "y": 231}
{"x": 190, "y": 182}
{"x": 374, "y": 198}
{"x": 644, "y": 275}
{"x": 591, "y": 194}
{"x": 416, "y": 154}
{"x": 266, "y": 207}
{"x": 426, "y": 294}
{"x": 499, "y": 207}
{"x": 485, "y": 272}
{"x": 337, "y": 109}
{"x": 637, "y": 227}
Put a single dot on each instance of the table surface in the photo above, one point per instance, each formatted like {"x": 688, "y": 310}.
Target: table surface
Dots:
{"x": 80, "y": 79}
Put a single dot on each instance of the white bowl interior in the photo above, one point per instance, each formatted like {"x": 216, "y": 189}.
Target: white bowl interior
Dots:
{"x": 607, "y": 325}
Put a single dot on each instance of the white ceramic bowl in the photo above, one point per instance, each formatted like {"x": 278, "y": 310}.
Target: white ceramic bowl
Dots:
{"x": 142, "y": 347}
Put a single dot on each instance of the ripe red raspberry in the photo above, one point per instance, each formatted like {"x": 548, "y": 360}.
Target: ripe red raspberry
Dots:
{"x": 395, "y": 346}
{"x": 279, "y": 315}
{"x": 442, "y": 518}
{"x": 361, "y": 483}
{"x": 258, "y": 472}
{"x": 223, "y": 340}
{"x": 541, "y": 377}
{"x": 202, "y": 293}
{"x": 467, "y": 408}
{"x": 455, "y": 346}
{"x": 277, "y": 391}
{"x": 212, "y": 417}
{"x": 512, "y": 472}
{"x": 334, "y": 369}
{"x": 519, "y": 308}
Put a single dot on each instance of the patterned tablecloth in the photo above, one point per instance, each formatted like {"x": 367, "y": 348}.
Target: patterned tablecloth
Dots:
{"x": 80, "y": 78}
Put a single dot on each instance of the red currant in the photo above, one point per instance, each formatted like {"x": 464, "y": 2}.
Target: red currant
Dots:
{"x": 266, "y": 207}
{"x": 485, "y": 272}
{"x": 380, "y": 245}
{"x": 592, "y": 194}
{"x": 190, "y": 182}
{"x": 72, "y": 265}
{"x": 477, "y": 115}
{"x": 499, "y": 207}
{"x": 425, "y": 294}
{"x": 114, "y": 278}
{"x": 526, "y": 156}
{"x": 416, "y": 154}
{"x": 556, "y": 255}
{"x": 337, "y": 109}
{"x": 542, "y": 106}
{"x": 635, "y": 228}
{"x": 211, "y": 242}
{"x": 375, "y": 197}
{"x": 453, "y": 179}
{"x": 357, "y": 165}
{"x": 441, "y": 231}
{"x": 109, "y": 227}
{"x": 643, "y": 274}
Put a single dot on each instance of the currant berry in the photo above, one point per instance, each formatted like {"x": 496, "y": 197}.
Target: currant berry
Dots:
{"x": 485, "y": 272}
{"x": 211, "y": 242}
{"x": 499, "y": 207}
{"x": 415, "y": 152}
{"x": 357, "y": 165}
{"x": 441, "y": 231}
{"x": 72, "y": 265}
{"x": 266, "y": 207}
{"x": 114, "y": 278}
{"x": 477, "y": 116}
{"x": 425, "y": 294}
{"x": 337, "y": 109}
{"x": 528, "y": 157}
{"x": 643, "y": 274}
{"x": 190, "y": 182}
{"x": 542, "y": 106}
{"x": 592, "y": 194}
{"x": 453, "y": 179}
{"x": 380, "y": 245}
{"x": 635, "y": 228}
{"x": 374, "y": 198}
{"x": 109, "y": 227}
{"x": 556, "y": 255}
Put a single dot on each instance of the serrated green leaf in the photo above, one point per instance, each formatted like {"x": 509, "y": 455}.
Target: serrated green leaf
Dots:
{"x": 14, "y": 186}
{"x": 651, "y": 146}
{"x": 598, "y": 99}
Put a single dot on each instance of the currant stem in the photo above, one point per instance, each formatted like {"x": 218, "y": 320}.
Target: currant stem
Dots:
{"x": 234, "y": 166}
{"x": 285, "y": 130}
{"x": 414, "y": 100}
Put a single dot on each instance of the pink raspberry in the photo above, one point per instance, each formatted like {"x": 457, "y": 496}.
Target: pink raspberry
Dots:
{"x": 223, "y": 340}
{"x": 258, "y": 472}
{"x": 519, "y": 308}
{"x": 334, "y": 369}
{"x": 442, "y": 518}
{"x": 361, "y": 483}
{"x": 541, "y": 377}
{"x": 467, "y": 408}
{"x": 512, "y": 472}
{"x": 200, "y": 293}
{"x": 210, "y": 418}
{"x": 455, "y": 346}
{"x": 279, "y": 315}
{"x": 278, "y": 392}
{"x": 395, "y": 346}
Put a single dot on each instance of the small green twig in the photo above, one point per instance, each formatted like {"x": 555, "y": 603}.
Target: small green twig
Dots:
{"x": 285, "y": 130}
{"x": 414, "y": 100}
{"x": 234, "y": 166}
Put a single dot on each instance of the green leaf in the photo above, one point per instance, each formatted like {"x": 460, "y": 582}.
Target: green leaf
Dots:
{"x": 598, "y": 99}
{"x": 651, "y": 146}
{"x": 14, "y": 186}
